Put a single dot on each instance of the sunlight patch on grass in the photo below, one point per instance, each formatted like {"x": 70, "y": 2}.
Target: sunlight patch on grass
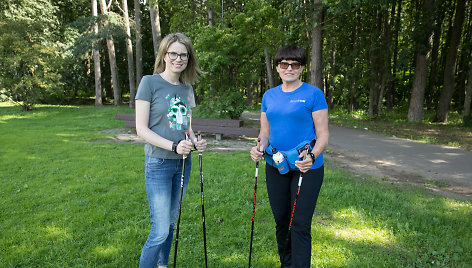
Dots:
{"x": 364, "y": 234}
{"x": 457, "y": 205}
{"x": 234, "y": 257}
{"x": 14, "y": 116}
{"x": 65, "y": 135}
{"x": 56, "y": 232}
{"x": 329, "y": 254}
{"x": 105, "y": 251}
{"x": 6, "y": 104}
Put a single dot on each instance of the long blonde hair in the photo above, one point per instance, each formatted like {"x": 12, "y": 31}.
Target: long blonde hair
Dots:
{"x": 192, "y": 73}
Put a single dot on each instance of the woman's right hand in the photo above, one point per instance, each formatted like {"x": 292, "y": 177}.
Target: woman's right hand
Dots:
{"x": 256, "y": 155}
{"x": 184, "y": 147}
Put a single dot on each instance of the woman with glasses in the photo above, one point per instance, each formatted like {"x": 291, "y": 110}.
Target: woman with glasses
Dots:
{"x": 293, "y": 115}
{"x": 163, "y": 114}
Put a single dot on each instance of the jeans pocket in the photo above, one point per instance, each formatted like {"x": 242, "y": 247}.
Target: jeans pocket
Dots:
{"x": 154, "y": 162}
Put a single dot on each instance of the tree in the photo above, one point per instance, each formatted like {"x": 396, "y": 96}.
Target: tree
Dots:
{"x": 139, "y": 42}
{"x": 129, "y": 53}
{"x": 112, "y": 58}
{"x": 450, "y": 64}
{"x": 317, "y": 47}
{"x": 96, "y": 60}
{"x": 30, "y": 65}
{"x": 468, "y": 96}
{"x": 155, "y": 25}
{"x": 415, "y": 111}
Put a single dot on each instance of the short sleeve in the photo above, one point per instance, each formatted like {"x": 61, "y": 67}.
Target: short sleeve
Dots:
{"x": 319, "y": 101}
{"x": 191, "y": 98}
{"x": 144, "y": 90}
{"x": 263, "y": 104}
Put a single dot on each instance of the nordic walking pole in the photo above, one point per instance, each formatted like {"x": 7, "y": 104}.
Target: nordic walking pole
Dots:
{"x": 287, "y": 240}
{"x": 199, "y": 138}
{"x": 180, "y": 202}
{"x": 254, "y": 201}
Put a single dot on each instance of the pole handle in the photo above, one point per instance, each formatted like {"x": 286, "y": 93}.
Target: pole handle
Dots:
{"x": 199, "y": 135}
{"x": 305, "y": 152}
{"x": 258, "y": 144}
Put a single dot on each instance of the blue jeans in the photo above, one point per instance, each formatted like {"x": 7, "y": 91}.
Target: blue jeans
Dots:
{"x": 163, "y": 190}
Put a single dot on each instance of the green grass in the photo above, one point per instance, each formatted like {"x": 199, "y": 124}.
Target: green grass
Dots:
{"x": 70, "y": 201}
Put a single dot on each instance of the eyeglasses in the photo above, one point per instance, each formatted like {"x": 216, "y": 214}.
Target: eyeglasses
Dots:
{"x": 295, "y": 65}
{"x": 175, "y": 55}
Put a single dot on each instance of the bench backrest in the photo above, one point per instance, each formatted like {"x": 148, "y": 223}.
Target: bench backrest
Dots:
{"x": 195, "y": 121}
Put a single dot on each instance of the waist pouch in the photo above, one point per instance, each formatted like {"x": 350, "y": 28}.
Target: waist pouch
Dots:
{"x": 289, "y": 157}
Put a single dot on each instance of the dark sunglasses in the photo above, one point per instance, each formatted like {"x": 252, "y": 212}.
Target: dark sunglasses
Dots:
{"x": 294, "y": 65}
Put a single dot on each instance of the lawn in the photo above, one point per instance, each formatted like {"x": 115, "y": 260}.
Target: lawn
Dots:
{"x": 72, "y": 198}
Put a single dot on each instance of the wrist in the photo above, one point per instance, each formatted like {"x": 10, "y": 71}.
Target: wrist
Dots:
{"x": 312, "y": 157}
{"x": 174, "y": 146}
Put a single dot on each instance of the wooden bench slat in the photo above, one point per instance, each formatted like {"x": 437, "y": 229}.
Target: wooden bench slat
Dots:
{"x": 129, "y": 117}
{"x": 130, "y": 123}
{"x": 217, "y": 122}
{"x": 250, "y": 132}
{"x": 195, "y": 121}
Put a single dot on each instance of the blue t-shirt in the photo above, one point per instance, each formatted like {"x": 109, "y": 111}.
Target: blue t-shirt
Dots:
{"x": 290, "y": 116}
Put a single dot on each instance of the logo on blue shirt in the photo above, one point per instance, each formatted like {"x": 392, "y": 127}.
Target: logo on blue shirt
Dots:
{"x": 297, "y": 101}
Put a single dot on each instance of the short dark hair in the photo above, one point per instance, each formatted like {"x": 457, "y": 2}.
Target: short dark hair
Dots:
{"x": 290, "y": 53}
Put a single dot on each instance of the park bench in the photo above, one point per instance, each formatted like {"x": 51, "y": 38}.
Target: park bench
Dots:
{"x": 215, "y": 126}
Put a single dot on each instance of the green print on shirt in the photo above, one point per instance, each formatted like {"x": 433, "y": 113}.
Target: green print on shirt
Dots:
{"x": 178, "y": 113}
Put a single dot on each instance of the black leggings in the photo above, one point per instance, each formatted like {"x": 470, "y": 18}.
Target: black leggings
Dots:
{"x": 282, "y": 190}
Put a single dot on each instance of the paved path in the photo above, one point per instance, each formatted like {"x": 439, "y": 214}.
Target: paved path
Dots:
{"x": 447, "y": 164}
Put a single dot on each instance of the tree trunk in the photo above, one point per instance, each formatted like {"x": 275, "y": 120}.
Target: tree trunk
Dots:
{"x": 209, "y": 12}
{"x": 270, "y": 74}
{"x": 331, "y": 88}
{"x": 385, "y": 70}
{"x": 139, "y": 42}
{"x": 129, "y": 53}
{"x": 317, "y": 46}
{"x": 375, "y": 61}
{"x": 96, "y": 60}
{"x": 450, "y": 64}
{"x": 463, "y": 64}
{"x": 112, "y": 58}
{"x": 468, "y": 95}
{"x": 390, "y": 94}
{"x": 434, "y": 63}
{"x": 415, "y": 111}
{"x": 155, "y": 25}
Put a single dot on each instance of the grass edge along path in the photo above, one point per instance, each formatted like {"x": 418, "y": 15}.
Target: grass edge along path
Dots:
{"x": 68, "y": 201}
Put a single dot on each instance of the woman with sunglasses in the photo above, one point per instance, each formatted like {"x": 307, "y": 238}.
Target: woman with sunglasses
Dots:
{"x": 293, "y": 114}
{"x": 163, "y": 114}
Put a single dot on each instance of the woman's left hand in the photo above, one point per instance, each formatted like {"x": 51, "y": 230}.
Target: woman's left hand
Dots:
{"x": 304, "y": 165}
{"x": 201, "y": 145}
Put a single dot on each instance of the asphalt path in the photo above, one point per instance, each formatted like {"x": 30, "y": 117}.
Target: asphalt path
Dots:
{"x": 359, "y": 149}
{"x": 430, "y": 161}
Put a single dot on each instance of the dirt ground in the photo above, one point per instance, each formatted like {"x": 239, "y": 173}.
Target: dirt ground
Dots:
{"x": 360, "y": 165}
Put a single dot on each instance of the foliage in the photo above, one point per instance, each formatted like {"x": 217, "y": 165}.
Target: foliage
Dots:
{"x": 30, "y": 56}
{"x": 233, "y": 57}
{"x": 368, "y": 46}
{"x": 71, "y": 197}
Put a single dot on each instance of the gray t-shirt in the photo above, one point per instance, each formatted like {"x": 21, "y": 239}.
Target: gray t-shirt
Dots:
{"x": 169, "y": 114}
